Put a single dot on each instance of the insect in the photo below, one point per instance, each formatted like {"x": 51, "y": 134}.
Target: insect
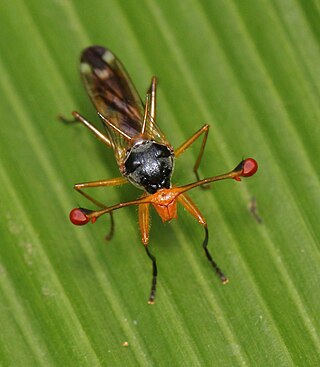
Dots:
{"x": 144, "y": 155}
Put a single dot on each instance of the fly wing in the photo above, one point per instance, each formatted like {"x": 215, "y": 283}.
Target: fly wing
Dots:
{"x": 114, "y": 97}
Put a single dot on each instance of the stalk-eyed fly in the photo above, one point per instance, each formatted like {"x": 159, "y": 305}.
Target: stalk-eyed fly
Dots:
{"x": 143, "y": 154}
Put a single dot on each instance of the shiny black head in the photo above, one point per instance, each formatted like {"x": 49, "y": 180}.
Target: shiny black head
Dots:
{"x": 149, "y": 166}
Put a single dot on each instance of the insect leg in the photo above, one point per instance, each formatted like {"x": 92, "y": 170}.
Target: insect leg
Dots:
{"x": 150, "y": 105}
{"x": 110, "y": 182}
{"x": 154, "y": 277}
{"x": 144, "y": 222}
{"x": 193, "y": 210}
{"x": 93, "y": 129}
{"x": 153, "y": 100}
{"x": 100, "y": 183}
{"x": 222, "y": 277}
{"x": 204, "y": 130}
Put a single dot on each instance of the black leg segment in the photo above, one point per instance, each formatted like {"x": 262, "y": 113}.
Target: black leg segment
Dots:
{"x": 109, "y": 235}
{"x": 222, "y": 277}
{"x": 154, "y": 276}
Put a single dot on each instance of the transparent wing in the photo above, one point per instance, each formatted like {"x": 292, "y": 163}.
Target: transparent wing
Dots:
{"x": 116, "y": 99}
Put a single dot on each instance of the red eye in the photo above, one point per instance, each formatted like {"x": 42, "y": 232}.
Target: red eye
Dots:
{"x": 250, "y": 167}
{"x": 78, "y": 217}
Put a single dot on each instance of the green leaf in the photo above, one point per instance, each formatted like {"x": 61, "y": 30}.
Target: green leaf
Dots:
{"x": 251, "y": 69}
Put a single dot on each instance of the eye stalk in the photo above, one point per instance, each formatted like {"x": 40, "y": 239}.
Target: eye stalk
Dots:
{"x": 164, "y": 199}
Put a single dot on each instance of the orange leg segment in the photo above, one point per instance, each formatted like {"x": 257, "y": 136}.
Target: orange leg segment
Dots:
{"x": 149, "y": 117}
{"x": 153, "y": 97}
{"x": 100, "y": 183}
{"x": 144, "y": 222}
{"x": 204, "y": 130}
{"x": 85, "y": 122}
